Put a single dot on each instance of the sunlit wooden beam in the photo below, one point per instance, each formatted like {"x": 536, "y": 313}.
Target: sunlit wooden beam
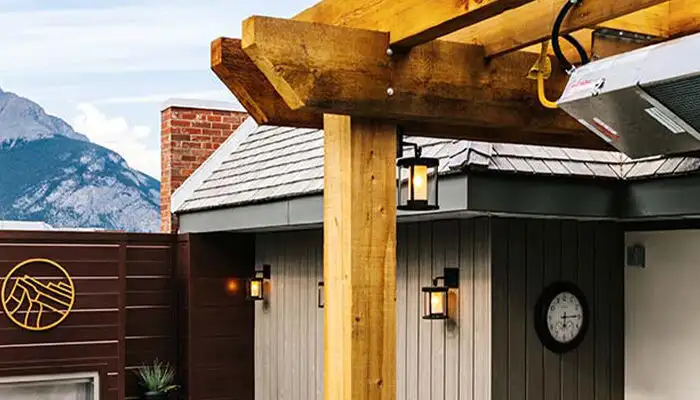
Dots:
{"x": 532, "y": 23}
{"x": 252, "y": 89}
{"x": 327, "y": 69}
{"x": 409, "y": 22}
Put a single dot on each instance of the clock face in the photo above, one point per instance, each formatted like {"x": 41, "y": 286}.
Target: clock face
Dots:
{"x": 564, "y": 317}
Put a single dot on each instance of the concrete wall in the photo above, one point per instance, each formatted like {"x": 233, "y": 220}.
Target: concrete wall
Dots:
{"x": 662, "y": 318}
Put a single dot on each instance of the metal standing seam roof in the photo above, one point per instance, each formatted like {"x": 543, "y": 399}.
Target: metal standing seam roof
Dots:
{"x": 272, "y": 163}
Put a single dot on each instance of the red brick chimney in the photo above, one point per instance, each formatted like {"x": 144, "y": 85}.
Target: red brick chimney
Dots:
{"x": 189, "y": 132}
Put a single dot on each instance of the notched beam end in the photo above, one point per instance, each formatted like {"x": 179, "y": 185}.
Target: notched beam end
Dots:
{"x": 259, "y": 39}
{"x": 252, "y": 89}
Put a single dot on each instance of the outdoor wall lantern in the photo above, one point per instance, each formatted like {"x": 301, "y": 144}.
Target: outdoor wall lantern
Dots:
{"x": 417, "y": 183}
{"x": 435, "y": 298}
{"x": 256, "y": 284}
{"x": 321, "y": 298}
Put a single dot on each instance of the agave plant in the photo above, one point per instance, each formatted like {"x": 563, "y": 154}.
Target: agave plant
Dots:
{"x": 157, "y": 378}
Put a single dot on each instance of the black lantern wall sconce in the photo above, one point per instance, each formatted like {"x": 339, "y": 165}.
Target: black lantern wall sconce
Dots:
{"x": 417, "y": 183}
{"x": 256, "y": 285}
{"x": 435, "y": 297}
{"x": 321, "y": 295}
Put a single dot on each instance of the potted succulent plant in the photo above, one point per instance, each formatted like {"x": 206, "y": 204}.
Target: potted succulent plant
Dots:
{"x": 156, "y": 380}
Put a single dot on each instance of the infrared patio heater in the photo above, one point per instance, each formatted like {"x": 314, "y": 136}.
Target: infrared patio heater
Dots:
{"x": 644, "y": 102}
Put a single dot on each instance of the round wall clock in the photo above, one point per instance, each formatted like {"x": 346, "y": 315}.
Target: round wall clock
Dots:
{"x": 562, "y": 317}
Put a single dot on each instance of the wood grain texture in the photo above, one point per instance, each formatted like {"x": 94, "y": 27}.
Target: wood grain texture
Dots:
{"x": 518, "y": 313}
{"x": 683, "y": 17}
{"x": 499, "y": 317}
{"x": 264, "y": 103}
{"x": 322, "y": 68}
{"x": 467, "y": 312}
{"x": 413, "y": 313}
{"x": 569, "y": 272}
{"x": 535, "y": 278}
{"x": 437, "y": 331}
{"x": 252, "y": 89}
{"x": 552, "y": 273}
{"x": 451, "y": 244}
{"x": 425, "y": 328}
{"x": 221, "y": 257}
{"x": 532, "y": 23}
{"x": 483, "y": 308}
{"x": 401, "y": 309}
{"x": 586, "y": 276}
{"x": 111, "y": 298}
{"x": 428, "y": 20}
{"x": 359, "y": 259}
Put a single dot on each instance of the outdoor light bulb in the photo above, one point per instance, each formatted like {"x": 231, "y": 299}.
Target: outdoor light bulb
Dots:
{"x": 231, "y": 286}
{"x": 255, "y": 288}
{"x": 437, "y": 302}
{"x": 420, "y": 182}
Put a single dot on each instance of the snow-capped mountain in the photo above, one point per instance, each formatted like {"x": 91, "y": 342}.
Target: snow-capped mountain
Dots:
{"x": 50, "y": 173}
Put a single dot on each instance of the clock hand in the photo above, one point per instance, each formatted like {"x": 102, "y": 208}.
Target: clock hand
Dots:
{"x": 570, "y": 316}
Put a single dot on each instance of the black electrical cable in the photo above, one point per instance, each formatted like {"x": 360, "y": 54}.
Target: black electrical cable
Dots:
{"x": 556, "y": 28}
{"x": 579, "y": 48}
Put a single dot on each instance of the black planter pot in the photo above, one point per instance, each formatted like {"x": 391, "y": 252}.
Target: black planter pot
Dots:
{"x": 155, "y": 396}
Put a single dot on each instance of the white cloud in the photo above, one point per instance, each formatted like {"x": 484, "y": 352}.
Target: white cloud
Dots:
{"x": 222, "y": 95}
{"x": 116, "y": 134}
{"x": 147, "y": 35}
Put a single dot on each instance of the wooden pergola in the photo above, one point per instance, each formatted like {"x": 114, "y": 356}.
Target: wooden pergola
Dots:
{"x": 447, "y": 68}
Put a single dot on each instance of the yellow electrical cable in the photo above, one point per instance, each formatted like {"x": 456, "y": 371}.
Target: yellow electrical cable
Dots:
{"x": 541, "y": 71}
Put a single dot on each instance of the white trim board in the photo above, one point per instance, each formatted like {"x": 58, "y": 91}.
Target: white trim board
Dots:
{"x": 55, "y": 379}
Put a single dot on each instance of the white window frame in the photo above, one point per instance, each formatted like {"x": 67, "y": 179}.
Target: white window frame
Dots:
{"x": 90, "y": 378}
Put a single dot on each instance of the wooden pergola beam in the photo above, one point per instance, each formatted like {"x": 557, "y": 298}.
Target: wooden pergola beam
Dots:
{"x": 684, "y": 17}
{"x": 651, "y": 21}
{"x": 266, "y": 106}
{"x": 252, "y": 89}
{"x": 532, "y": 23}
{"x": 409, "y": 22}
{"x": 326, "y": 69}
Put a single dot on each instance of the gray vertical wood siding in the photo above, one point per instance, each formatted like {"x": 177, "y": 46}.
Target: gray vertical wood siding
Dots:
{"x": 289, "y": 324}
{"x": 435, "y": 360}
{"x": 491, "y": 350}
{"x": 529, "y": 255}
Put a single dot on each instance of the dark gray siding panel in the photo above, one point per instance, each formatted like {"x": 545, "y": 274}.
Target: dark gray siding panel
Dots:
{"x": 499, "y": 287}
{"x": 535, "y": 274}
{"x": 663, "y": 198}
{"x": 529, "y": 255}
{"x": 542, "y": 196}
{"x": 552, "y": 273}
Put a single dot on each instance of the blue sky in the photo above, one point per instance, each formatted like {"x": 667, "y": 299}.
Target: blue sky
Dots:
{"x": 106, "y": 66}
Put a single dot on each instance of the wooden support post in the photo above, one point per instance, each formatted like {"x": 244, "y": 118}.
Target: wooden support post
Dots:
{"x": 359, "y": 259}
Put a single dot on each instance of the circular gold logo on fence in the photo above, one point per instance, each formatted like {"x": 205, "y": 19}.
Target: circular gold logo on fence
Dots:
{"x": 37, "y": 294}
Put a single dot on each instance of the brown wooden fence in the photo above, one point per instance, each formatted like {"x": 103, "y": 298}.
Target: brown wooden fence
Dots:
{"x": 125, "y": 310}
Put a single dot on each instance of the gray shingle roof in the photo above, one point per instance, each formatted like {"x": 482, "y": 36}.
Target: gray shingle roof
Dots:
{"x": 277, "y": 162}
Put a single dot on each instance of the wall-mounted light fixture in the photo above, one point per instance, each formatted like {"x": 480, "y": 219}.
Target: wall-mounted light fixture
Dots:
{"x": 321, "y": 295}
{"x": 256, "y": 284}
{"x": 417, "y": 183}
{"x": 435, "y": 298}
